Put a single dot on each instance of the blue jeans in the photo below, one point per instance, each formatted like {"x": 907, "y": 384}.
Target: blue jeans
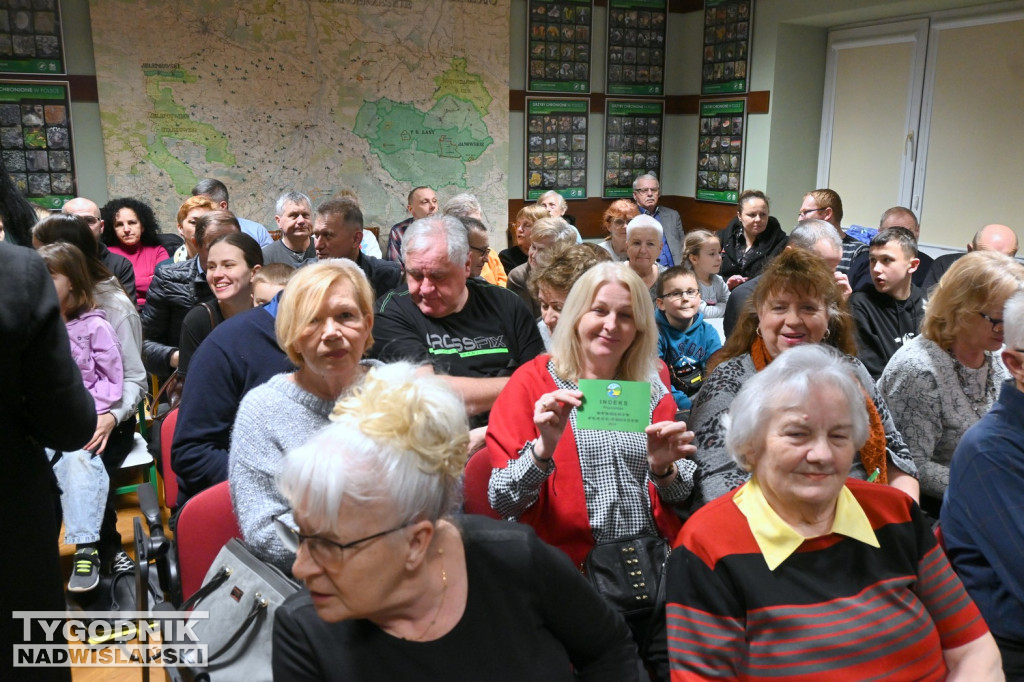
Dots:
{"x": 84, "y": 484}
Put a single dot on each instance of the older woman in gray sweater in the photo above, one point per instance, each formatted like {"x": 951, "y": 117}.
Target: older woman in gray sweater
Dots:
{"x": 323, "y": 324}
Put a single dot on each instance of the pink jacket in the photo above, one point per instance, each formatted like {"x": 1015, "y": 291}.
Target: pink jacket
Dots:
{"x": 143, "y": 260}
{"x": 97, "y": 353}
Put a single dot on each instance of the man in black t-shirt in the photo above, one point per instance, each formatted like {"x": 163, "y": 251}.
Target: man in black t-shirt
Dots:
{"x": 474, "y": 333}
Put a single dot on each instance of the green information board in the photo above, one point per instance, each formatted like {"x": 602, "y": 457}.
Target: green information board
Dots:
{"x": 720, "y": 150}
{"x": 556, "y": 147}
{"x": 632, "y": 144}
{"x": 636, "y": 47}
{"x": 30, "y": 37}
{"x": 35, "y": 140}
{"x": 558, "y": 52}
{"x": 726, "y": 58}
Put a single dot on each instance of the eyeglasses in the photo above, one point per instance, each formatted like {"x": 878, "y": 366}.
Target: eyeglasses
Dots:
{"x": 484, "y": 251}
{"x": 647, "y": 190}
{"x": 994, "y": 321}
{"x": 807, "y": 211}
{"x": 688, "y": 293}
{"x": 322, "y": 550}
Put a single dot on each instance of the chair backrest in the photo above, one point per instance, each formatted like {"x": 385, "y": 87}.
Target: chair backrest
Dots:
{"x": 169, "y": 478}
{"x": 474, "y": 485}
{"x": 205, "y": 524}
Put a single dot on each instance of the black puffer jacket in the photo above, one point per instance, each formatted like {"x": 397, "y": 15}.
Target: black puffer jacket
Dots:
{"x": 768, "y": 244}
{"x": 176, "y": 289}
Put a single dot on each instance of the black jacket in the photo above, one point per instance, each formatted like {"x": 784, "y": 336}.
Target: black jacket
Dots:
{"x": 884, "y": 324}
{"x": 119, "y": 267}
{"x": 768, "y": 244}
{"x": 176, "y": 289}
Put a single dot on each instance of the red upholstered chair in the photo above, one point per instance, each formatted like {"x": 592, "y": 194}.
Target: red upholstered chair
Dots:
{"x": 169, "y": 478}
{"x": 474, "y": 485}
{"x": 205, "y": 524}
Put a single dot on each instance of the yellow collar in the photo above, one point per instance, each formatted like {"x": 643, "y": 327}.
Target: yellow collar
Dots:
{"x": 777, "y": 539}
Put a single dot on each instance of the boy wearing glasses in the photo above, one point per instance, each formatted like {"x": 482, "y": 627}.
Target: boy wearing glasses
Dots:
{"x": 685, "y": 340}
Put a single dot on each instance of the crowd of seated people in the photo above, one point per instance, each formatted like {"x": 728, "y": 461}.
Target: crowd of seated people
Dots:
{"x": 819, "y": 429}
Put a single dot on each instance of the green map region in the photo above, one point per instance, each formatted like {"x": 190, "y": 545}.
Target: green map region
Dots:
{"x": 413, "y": 144}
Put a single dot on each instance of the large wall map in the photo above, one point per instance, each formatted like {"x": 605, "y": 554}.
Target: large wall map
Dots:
{"x": 375, "y": 96}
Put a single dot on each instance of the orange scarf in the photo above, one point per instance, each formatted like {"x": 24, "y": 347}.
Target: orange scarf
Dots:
{"x": 872, "y": 454}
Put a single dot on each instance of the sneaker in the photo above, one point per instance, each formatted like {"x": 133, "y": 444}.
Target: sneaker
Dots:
{"x": 85, "y": 573}
{"x": 122, "y": 563}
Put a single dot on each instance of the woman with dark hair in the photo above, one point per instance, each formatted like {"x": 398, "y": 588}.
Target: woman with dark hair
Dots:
{"x": 16, "y": 213}
{"x": 115, "y": 428}
{"x": 130, "y": 229}
{"x": 232, "y": 261}
{"x": 796, "y": 302}
{"x": 751, "y": 240}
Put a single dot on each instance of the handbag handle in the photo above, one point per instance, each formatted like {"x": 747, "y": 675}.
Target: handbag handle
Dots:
{"x": 259, "y": 605}
{"x": 216, "y": 581}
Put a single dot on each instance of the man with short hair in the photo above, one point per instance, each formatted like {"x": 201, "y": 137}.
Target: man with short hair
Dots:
{"x": 994, "y": 237}
{"x": 890, "y": 313}
{"x": 422, "y": 203}
{"x": 825, "y": 204}
{"x": 646, "y": 192}
{"x": 338, "y": 233}
{"x": 982, "y": 526}
{"x": 118, "y": 265}
{"x": 217, "y": 192}
{"x": 466, "y": 207}
{"x": 897, "y": 216}
{"x": 176, "y": 289}
{"x": 817, "y": 236}
{"x": 473, "y": 333}
{"x": 293, "y": 214}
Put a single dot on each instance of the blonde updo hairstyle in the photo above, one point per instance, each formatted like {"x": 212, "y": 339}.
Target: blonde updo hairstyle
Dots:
{"x": 307, "y": 290}
{"x": 396, "y": 437}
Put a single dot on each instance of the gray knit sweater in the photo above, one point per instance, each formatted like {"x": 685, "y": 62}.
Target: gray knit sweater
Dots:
{"x": 272, "y": 420}
{"x": 934, "y": 400}
{"x": 717, "y": 472}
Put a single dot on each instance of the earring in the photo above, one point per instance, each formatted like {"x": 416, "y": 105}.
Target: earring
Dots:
{"x": 828, "y": 333}
{"x": 759, "y": 332}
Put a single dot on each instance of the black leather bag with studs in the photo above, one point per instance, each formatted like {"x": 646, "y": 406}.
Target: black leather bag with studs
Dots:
{"x": 627, "y": 572}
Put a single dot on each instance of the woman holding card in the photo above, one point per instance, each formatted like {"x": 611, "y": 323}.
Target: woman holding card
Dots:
{"x": 581, "y": 488}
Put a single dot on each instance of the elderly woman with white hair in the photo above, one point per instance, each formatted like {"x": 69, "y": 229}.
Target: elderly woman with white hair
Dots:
{"x": 643, "y": 246}
{"x": 400, "y": 589}
{"x": 323, "y": 324}
{"x": 805, "y": 574}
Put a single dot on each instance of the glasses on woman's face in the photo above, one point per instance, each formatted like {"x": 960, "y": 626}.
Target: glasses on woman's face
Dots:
{"x": 688, "y": 293}
{"x": 322, "y": 550}
{"x": 994, "y": 321}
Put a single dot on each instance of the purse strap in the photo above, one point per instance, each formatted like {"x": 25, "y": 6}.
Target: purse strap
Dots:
{"x": 216, "y": 581}
{"x": 259, "y": 605}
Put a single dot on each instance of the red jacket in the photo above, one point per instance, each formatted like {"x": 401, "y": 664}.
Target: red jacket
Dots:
{"x": 560, "y": 514}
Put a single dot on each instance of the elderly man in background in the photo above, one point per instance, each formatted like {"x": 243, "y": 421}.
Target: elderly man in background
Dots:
{"x": 293, "y": 213}
{"x": 646, "y": 193}
{"x": 983, "y": 532}
{"x": 994, "y": 237}
{"x": 338, "y": 233}
{"x": 474, "y": 334}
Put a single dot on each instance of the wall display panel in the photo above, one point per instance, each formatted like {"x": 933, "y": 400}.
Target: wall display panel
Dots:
{"x": 35, "y": 140}
{"x": 632, "y": 144}
{"x": 720, "y": 150}
{"x": 636, "y": 47}
{"x": 30, "y": 37}
{"x": 726, "y": 62}
{"x": 560, "y": 37}
{"x": 556, "y": 147}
